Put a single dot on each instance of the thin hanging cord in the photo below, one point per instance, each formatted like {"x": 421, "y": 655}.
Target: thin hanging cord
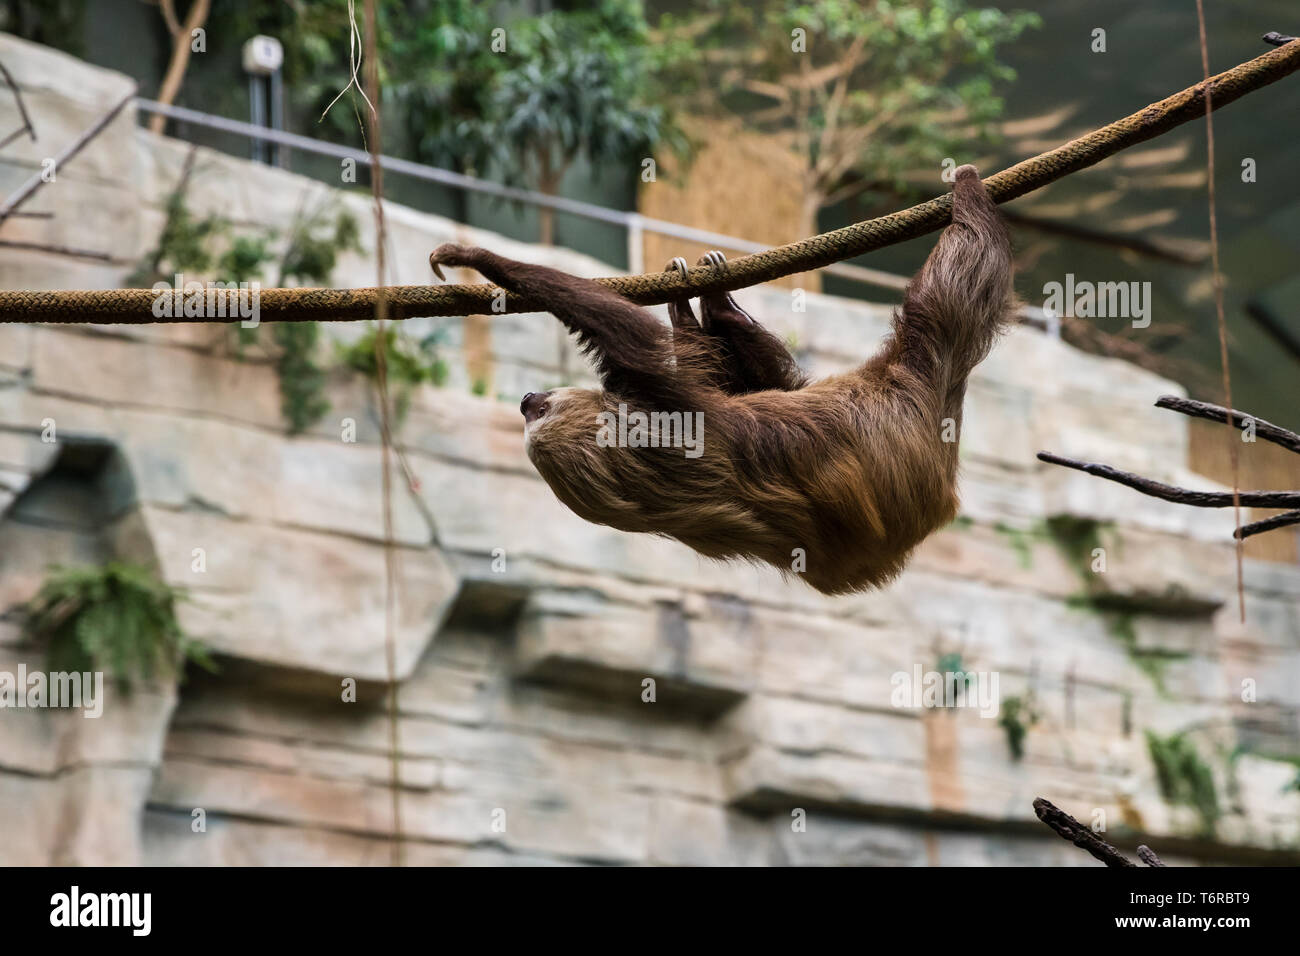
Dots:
{"x": 354, "y": 55}
{"x": 381, "y": 375}
{"x": 1233, "y": 439}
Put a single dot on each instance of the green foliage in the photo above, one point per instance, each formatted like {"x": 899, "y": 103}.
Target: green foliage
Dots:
{"x": 119, "y": 617}
{"x": 1184, "y": 778}
{"x": 565, "y": 81}
{"x": 245, "y": 259}
{"x": 407, "y": 363}
{"x": 1021, "y": 541}
{"x": 882, "y": 89}
{"x": 1294, "y": 784}
{"x": 435, "y": 70}
{"x": 1292, "y": 759}
{"x": 1121, "y": 623}
{"x": 302, "y": 382}
{"x": 184, "y": 245}
{"x": 576, "y": 82}
{"x": 1016, "y": 716}
{"x": 56, "y": 23}
{"x": 949, "y": 663}
{"x": 1150, "y": 662}
{"x": 314, "y": 244}
{"x": 1077, "y": 538}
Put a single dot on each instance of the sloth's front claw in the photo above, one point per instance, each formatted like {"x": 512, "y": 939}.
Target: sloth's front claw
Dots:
{"x": 719, "y": 308}
{"x": 679, "y": 312}
{"x": 450, "y": 254}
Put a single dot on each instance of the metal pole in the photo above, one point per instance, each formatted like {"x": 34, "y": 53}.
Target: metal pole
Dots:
{"x": 635, "y": 243}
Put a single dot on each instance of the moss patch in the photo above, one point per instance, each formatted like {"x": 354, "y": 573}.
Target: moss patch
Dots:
{"x": 1016, "y": 717}
{"x": 1077, "y": 538}
{"x": 1184, "y": 777}
{"x": 1021, "y": 541}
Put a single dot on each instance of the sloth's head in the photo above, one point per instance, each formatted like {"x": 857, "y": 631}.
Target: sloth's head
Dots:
{"x": 558, "y": 425}
{"x": 561, "y": 429}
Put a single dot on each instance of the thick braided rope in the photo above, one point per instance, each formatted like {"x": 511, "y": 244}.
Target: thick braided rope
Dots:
{"x": 114, "y": 306}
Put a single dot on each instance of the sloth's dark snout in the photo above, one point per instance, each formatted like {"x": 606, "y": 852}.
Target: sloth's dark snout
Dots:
{"x": 533, "y": 405}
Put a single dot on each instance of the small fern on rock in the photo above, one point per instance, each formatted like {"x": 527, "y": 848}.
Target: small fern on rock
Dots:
{"x": 118, "y": 618}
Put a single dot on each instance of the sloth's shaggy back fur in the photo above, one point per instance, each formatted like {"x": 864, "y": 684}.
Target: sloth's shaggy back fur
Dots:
{"x": 850, "y": 471}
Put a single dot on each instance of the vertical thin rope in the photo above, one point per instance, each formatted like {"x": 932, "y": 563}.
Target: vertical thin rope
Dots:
{"x": 381, "y": 376}
{"x": 1233, "y": 439}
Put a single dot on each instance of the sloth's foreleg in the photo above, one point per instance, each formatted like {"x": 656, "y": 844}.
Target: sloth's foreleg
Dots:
{"x": 632, "y": 350}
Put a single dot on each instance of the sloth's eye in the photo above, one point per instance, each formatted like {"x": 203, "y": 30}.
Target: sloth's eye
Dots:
{"x": 535, "y": 405}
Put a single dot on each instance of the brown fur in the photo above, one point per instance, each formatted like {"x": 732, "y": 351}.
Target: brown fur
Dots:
{"x": 851, "y": 469}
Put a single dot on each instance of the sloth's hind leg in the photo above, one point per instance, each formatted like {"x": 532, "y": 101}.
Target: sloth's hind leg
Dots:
{"x": 755, "y": 359}
{"x": 691, "y": 347}
{"x": 679, "y": 310}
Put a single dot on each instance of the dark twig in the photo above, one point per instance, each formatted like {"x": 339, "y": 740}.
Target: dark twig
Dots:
{"x": 1148, "y": 856}
{"x": 58, "y": 250}
{"x": 1071, "y": 829}
{"x": 1182, "y": 496}
{"x": 37, "y": 180}
{"x": 1283, "y": 520}
{"x": 1208, "y": 499}
{"x": 1217, "y": 413}
{"x": 27, "y": 126}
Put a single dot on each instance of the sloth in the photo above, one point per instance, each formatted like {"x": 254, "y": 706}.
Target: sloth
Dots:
{"x": 835, "y": 480}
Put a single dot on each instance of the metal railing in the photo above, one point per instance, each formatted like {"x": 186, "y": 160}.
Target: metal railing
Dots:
{"x": 635, "y": 224}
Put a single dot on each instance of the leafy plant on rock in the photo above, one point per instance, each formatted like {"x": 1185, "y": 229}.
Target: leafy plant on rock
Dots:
{"x": 118, "y": 617}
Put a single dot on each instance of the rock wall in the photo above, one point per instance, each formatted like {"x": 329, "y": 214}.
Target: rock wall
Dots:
{"x": 525, "y": 636}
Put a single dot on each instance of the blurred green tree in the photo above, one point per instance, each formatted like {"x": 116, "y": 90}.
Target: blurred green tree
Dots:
{"x": 469, "y": 88}
{"x": 585, "y": 83}
{"x": 863, "y": 91}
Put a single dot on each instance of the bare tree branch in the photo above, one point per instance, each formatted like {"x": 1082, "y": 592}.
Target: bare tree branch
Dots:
{"x": 1217, "y": 413}
{"x": 1071, "y": 829}
{"x": 1268, "y": 524}
{"x": 180, "y": 59}
{"x": 169, "y": 15}
{"x": 1182, "y": 496}
{"x": 1148, "y": 856}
